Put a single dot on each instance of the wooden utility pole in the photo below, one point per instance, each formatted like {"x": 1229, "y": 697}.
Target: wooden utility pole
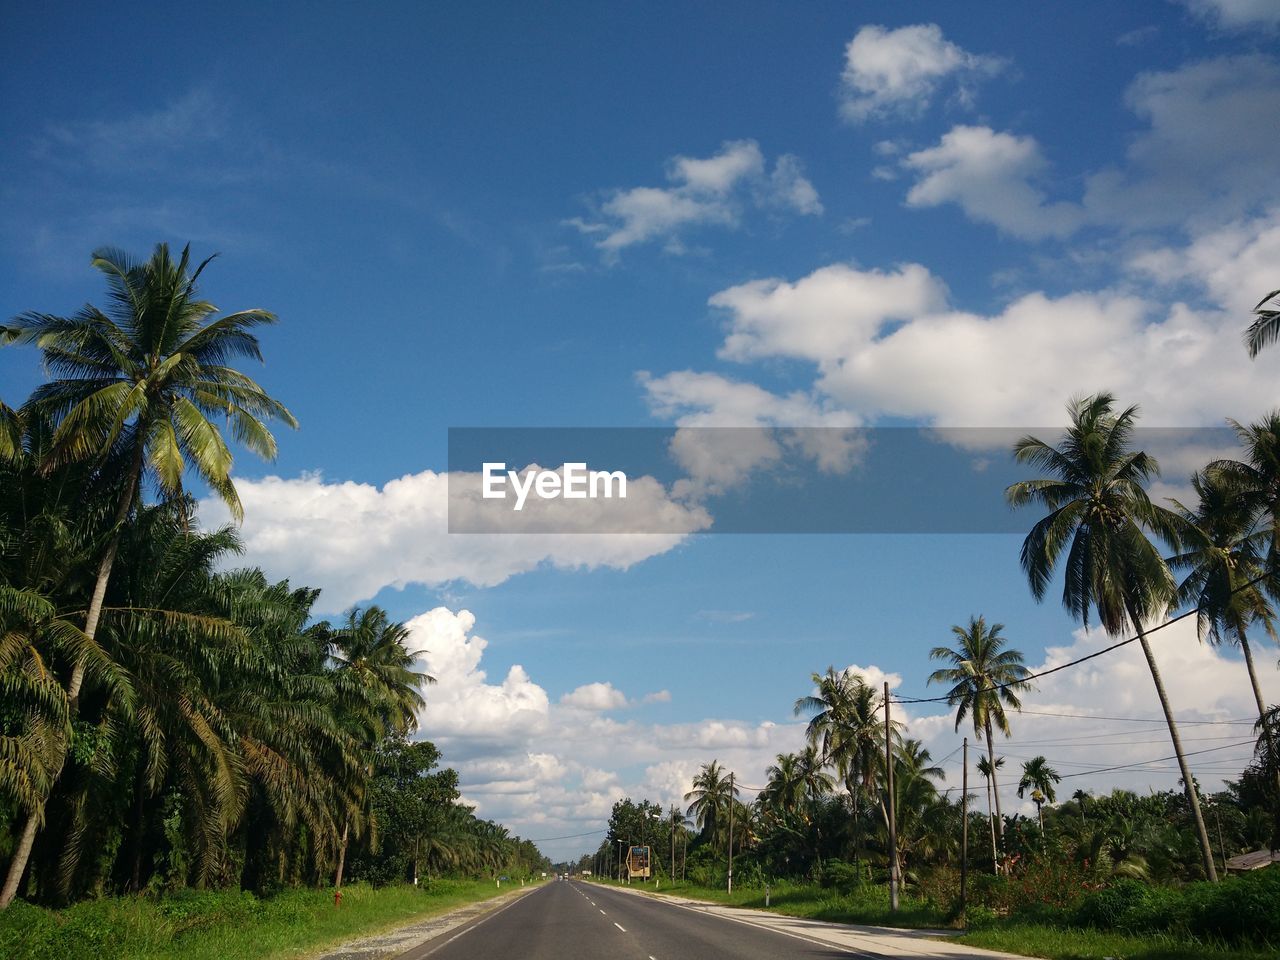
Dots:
{"x": 893, "y": 826}
{"x": 964, "y": 829}
{"x": 731, "y": 831}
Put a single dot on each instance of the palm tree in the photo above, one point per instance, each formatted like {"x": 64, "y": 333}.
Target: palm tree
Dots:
{"x": 1266, "y": 327}
{"x": 988, "y": 770}
{"x": 846, "y": 723}
{"x": 1081, "y": 797}
{"x": 709, "y": 801}
{"x": 376, "y": 686}
{"x": 1099, "y": 514}
{"x": 986, "y": 676}
{"x": 1224, "y": 551}
{"x": 1039, "y": 778}
{"x": 137, "y": 385}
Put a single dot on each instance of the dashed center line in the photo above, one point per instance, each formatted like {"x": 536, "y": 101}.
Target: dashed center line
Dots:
{"x": 620, "y": 926}
{"x": 603, "y": 913}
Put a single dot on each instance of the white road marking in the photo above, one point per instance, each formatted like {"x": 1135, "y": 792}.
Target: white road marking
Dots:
{"x": 603, "y": 913}
{"x": 620, "y": 926}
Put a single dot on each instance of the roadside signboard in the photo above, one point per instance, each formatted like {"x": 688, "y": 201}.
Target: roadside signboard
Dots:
{"x": 638, "y": 862}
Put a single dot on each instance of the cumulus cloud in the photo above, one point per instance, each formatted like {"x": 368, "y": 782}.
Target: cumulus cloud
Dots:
{"x": 704, "y": 191}
{"x": 548, "y": 769}
{"x": 353, "y": 539}
{"x": 1204, "y": 157}
{"x": 1236, "y": 14}
{"x": 1028, "y": 357}
{"x": 992, "y": 177}
{"x": 898, "y": 72}
{"x": 1232, "y": 266}
{"x": 729, "y": 430}
{"x": 595, "y": 696}
{"x": 1206, "y": 153}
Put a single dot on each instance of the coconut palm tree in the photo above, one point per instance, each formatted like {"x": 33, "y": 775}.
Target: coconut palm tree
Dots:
{"x": 1265, "y": 328}
{"x": 988, "y": 769}
{"x": 1099, "y": 517}
{"x": 1039, "y": 778}
{"x": 377, "y": 688}
{"x": 138, "y": 387}
{"x": 1224, "y": 551}
{"x": 986, "y": 676}
{"x": 846, "y": 724}
{"x": 709, "y": 801}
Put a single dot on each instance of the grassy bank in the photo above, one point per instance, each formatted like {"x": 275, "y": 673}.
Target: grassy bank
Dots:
{"x": 223, "y": 925}
{"x": 1056, "y": 943}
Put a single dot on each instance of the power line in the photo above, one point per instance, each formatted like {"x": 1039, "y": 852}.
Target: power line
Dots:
{"x": 572, "y": 836}
{"x": 1097, "y": 653}
{"x": 1091, "y": 716}
{"x": 1141, "y": 763}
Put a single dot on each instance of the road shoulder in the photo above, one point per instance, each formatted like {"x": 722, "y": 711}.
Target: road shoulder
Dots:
{"x": 401, "y": 940}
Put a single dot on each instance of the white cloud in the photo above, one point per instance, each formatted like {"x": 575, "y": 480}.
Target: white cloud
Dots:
{"x": 704, "y": 191}
{"x": 898, "y": 72}
{"x": 595, "y": 696}
{"x": 1236, "y": 14}
{"x": 353, "y": 539}
{"x": 729, "y": 429}
{"x": 550, "y": 770}
{"x": 1204, "y": 157}
{"x": 873, "y": 358}
{"x": 1233, "y": 265}
{"x": 826, "y": 314}
{"x": 991, "y": 176}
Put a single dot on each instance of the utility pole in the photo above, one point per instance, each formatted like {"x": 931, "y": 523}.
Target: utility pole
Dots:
{"x": 731, "y": 831}
{"x": 893, "y": 826}
{"x": 964, "y": 830}
{"x": 673, "y": 845}
{"x": 619, "y": 861}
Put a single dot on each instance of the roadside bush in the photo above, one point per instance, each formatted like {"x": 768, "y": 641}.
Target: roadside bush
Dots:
{"x": 1243, "y": 909}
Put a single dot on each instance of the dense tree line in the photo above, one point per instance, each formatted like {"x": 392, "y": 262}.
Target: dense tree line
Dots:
{"x": 167, "y": 720}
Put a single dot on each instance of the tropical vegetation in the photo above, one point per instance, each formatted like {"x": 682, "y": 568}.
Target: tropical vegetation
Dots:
{"x": 169, "y": 721}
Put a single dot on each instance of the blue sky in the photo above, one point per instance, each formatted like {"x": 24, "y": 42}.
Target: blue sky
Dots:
{"x": 624, "y": 215}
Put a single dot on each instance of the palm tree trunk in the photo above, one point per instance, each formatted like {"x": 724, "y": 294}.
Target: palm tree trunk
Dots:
{"x": 1262, "y": 704}
{"x": 991, "y": 822}
{"x": 857, "y": 834}
{"x": 995, "y": 785}
{"x": 18, "y": 865}
{"x": 342, "y": 857}
{"x": 1193, "y": 799}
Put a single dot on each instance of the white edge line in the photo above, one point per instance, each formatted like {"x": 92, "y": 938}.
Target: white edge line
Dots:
{"x": 760, "y": 926}
{"x": 484, "y": 919}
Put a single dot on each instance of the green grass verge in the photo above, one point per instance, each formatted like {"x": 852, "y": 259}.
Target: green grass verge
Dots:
{"x": 1058, "y": 944}
{"x": 223, "y": 925}
{"x": 868, "y": 905}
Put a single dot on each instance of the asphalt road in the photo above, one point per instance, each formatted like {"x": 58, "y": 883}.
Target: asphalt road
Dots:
{"x": 568, "y": 920}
